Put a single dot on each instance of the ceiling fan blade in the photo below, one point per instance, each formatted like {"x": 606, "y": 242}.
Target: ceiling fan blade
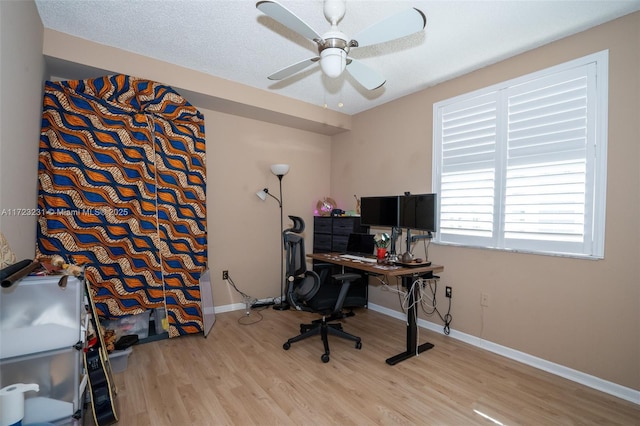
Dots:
{"x": 287, "y": 18}
{"x": 292, "y": 69}
{"x": 395, "y": 26}
{"x": 369, "y": 78}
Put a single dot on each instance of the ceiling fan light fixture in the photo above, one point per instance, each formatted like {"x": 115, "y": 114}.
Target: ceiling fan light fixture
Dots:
{"x": 334, "y": 45}
{"x": 333, "y": 61}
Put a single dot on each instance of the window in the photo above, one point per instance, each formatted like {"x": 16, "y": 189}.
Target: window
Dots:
{"x": 521, "y": 165}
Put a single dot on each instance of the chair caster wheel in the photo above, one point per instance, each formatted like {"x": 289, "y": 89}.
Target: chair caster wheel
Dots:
{"x": 358, "y": 345}
{"x": 286, "y": 346}
{"x": 325, "y": 358}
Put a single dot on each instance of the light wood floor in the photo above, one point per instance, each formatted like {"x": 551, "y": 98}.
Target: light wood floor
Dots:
{"x": 240, "y": 375}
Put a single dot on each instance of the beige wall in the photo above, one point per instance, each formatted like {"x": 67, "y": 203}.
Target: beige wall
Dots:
{"x": 578, "y": 313}
{"x": 244, "y": 231}
{"x": 21, "y": 76}
{"x": 582, "y": 314}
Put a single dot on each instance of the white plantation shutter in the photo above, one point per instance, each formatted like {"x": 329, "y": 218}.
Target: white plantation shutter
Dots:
{"x": 522, "y": 165}
{"x": 468, "y": 153}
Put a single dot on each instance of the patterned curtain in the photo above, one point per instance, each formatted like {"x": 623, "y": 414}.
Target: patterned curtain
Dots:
{"x": 122, "y": 189}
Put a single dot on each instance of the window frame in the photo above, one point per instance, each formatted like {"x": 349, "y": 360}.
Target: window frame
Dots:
{"x": 596, "y": 161}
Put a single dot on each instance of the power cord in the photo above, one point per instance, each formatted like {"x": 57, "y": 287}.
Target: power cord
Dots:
{"x": 433, "y": 287}
{"x": 245, "y": 295}
{"x": 432, "y": 284}
{"x": 248, "y": 301}
{"x": 401, "y": 293}
{"x": 426, "y": 243}
{"x": 245, "y": 319}
{"x": 423, "y": 298}
{"x": 387, "y": 287}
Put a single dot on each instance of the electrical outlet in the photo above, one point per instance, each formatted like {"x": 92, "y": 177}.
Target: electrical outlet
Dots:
{"x": 225, "y": 275}
{"x": 484, "y": 299}
{"x": 447, "y": 291}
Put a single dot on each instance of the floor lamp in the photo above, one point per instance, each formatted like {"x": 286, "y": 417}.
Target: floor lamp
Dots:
{"x": 279, "y": 170}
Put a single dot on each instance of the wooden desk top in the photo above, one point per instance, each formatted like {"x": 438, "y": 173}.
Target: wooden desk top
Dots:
{"x": 375, "y": 268}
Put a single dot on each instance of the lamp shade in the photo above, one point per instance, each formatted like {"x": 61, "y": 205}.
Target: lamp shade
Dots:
{"x": 262, "y": 194}
{"x": 279, "y": 169}
{"x": 333, "y": 61}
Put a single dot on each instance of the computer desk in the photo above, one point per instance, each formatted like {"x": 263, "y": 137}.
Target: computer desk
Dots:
{"x": 407, "y": 273}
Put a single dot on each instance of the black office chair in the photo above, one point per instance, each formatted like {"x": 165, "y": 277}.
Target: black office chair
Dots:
{"x": 311, "y": 291}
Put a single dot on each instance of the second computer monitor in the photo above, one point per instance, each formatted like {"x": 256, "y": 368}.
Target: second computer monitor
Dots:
{"x": 418, "y": 212}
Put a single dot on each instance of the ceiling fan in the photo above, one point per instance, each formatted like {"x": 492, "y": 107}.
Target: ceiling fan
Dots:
{"x": 334, "y": 45}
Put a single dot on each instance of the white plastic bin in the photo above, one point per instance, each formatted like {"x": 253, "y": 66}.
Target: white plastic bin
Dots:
{"x": 131, "y": 324}
{"x": 119, "y": 360}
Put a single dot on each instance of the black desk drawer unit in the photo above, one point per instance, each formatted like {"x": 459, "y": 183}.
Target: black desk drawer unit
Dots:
{"x": 330, "y": 234}
{"x": 321, "y": 243}
{"x": 322, "y": 225}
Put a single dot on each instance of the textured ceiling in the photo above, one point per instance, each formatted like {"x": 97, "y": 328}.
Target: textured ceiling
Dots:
{"x": 235, "y": 41}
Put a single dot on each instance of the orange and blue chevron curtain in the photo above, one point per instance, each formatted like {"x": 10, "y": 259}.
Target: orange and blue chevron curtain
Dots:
{"x": 121, "y": 189}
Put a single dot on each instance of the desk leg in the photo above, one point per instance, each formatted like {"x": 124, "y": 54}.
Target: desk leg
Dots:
{"x": 412, "y": 327}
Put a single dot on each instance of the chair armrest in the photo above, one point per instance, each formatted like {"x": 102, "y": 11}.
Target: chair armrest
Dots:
{"x": 323, "y": 270}
{"x": 347, "y": 276}
{"x": 345, "y": 279}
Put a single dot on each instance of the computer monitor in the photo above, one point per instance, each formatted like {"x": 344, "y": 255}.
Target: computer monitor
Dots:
{"x": 379, "y": 211}
{"x": 418, "y": 212}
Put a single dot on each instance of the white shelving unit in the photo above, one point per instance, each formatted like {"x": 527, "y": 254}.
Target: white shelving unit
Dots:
{"x": 42, "y": 337}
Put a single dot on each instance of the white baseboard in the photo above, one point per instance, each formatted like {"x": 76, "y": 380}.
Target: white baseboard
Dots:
{"x": 611, "y": 388}
{"x": 229, "y": 308}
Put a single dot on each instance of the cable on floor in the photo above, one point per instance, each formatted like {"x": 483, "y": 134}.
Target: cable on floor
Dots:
{"x": 248, "y": 301}
{"x": 246, "y": 319}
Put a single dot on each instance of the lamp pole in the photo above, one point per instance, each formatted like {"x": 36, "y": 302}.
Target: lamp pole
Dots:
{"x": 283, "y": 305}
{"x": 279, "y": 170}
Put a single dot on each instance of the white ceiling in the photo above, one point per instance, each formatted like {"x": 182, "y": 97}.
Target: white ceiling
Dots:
{"x": 235, "y": 41}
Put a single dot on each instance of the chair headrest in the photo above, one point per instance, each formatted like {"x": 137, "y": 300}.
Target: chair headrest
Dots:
{"x": 298, "y": 225}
